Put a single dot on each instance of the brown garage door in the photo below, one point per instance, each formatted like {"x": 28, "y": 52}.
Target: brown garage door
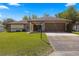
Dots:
{"x": 54, "y": 27}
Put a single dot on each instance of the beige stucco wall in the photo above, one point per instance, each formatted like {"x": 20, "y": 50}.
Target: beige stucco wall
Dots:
{"x": 43, "y": 26}
{"x": 1, "y": 28}
{"x": 31, "y": 27}
{"x": 17, "y": 26}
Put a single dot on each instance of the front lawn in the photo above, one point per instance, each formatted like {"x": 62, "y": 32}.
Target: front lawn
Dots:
{"x": 76, "y": 33}
{"x": 22, "y": 43}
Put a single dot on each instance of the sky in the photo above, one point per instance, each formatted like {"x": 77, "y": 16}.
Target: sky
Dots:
{"x": 18, "y": 10}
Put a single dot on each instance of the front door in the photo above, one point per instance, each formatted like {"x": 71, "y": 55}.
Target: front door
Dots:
{"x": 37, "y": 28}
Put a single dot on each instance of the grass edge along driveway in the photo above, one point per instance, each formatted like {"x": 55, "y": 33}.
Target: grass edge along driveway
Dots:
{"x": 76, "y": 33}
{"x": 22, "y": 43}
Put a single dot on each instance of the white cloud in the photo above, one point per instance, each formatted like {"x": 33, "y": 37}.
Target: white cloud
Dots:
{"x": 70, "y": 4}
{"x": 14, "y": 4}
{"x": 3, "y": 7}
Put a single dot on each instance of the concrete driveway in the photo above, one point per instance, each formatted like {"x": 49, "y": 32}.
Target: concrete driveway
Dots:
{"x": 64, "y": 44}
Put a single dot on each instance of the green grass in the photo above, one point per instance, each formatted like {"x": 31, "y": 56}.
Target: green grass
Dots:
{"x": 76, "y": 33}
{"x": 22, "y": 43}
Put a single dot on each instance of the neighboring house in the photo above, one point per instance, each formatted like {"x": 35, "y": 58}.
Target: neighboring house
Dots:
{"x": 46, "y": 24}
{"x": 76, "y": 27}
{"x": 1, "y": 28}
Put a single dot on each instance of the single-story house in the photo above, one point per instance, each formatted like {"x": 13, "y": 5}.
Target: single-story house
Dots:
{"x": 46, "y": 24}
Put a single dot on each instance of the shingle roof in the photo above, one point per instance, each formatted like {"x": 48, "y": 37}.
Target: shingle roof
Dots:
{"x": 45, "y": 18}
{"x": 48, "y": 18}
{"x": 18, "y": 22}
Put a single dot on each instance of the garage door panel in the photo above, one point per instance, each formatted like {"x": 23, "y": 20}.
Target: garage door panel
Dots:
{"x": 54, "y": 27}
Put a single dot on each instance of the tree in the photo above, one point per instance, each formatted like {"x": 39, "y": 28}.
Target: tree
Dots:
{"x": 26, "y": 18}
{"x": 70, "y": 14}
{"x": 8, "y": 20}
{"x": 77, "y": 16}
{"x": 34, "y": 16}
